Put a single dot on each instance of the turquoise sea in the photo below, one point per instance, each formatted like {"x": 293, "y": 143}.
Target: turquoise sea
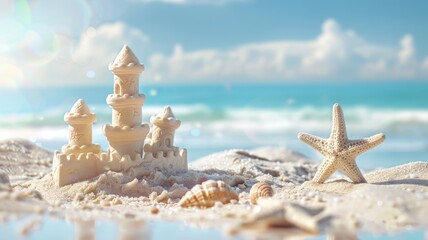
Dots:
{"x": 219, "y": 117}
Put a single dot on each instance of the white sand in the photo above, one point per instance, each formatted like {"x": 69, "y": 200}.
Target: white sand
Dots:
{"x": 394, "y": 199}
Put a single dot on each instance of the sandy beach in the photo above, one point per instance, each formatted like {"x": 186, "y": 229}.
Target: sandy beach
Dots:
{"x": 394, "y": 199}
{"x": 213, "y": 119}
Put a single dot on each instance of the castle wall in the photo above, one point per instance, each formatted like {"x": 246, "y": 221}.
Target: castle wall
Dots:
{"x": 72, "y": 168}
{"x": 170, "y": 161}
{"x": 68, "y": 169}
{"x": 118, "y": 149}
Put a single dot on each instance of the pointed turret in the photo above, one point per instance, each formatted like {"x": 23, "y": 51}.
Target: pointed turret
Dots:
{"x": 126, "y": 134}
{"x": 80, "y": 107}
{"x": 126, "y": 57}
{"x": 166, "y": 113}
{"x": 80, "y": 121}
{"x": 79, "y": 114}
{"x": 162, "y": 136}
{"x": 160, "y": 149}
{"x": 166, "y": 119}
{"x": 126, "y": 62}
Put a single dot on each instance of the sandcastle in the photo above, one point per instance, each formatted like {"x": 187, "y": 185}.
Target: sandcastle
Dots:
{"x": 132, "y": 144}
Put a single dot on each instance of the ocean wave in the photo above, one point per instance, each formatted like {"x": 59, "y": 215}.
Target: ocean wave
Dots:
{"x": 268, "y": 120}
{"x": 208, "y": 129}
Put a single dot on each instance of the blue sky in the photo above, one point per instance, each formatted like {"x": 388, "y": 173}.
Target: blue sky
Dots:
{"x": 202, "y": 41}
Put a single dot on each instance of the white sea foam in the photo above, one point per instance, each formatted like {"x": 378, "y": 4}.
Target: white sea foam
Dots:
{"x": 204, "y": 125}
{"x": 252, "y": 119}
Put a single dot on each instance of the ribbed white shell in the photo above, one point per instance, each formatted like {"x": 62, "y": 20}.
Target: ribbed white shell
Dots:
{"x": 260, "y": 189}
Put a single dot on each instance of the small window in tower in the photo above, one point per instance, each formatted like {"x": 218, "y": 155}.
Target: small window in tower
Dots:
{"x": 168, "y": 142}
{"x": 116, "y": 88}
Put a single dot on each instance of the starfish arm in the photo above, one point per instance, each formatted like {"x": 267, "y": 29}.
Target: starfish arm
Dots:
{"x": 325, "y": 170}
{"x": 350, "y": 168}
{"x": 338, "y": 130}
{"x": 315, "y": 142}
{"x": 357, "y": 147}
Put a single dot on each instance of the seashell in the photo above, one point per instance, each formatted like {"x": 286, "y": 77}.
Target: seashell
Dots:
{"x": 153, "y": 196}
{"x": 260, "y": 189}
{"x": 163, "y": 197}
{"x": 205, "y": 195}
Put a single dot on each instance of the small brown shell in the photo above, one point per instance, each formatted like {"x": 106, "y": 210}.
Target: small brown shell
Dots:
{"x": 206, "y": 194}
{"x": 260, "y": 189}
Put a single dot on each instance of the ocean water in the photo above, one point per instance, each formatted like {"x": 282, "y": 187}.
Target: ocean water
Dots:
{"x": 225, "y": 116}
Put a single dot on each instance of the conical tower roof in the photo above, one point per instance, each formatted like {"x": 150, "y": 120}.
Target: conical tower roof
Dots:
{"x": 79, "y": 113}
{"x": 80, "y": 107}
{"x": 126, "y": 61}
{"x": 165, "y": 119}
{"x": 166, "y": 113}
{"x": 125, "y": 57}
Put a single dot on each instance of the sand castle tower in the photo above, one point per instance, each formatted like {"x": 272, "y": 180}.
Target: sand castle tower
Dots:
{"x": 80, "y": 121}
{"x": 79, "y": 159}
{"x": 162, "y": 135}
{"x": 160, "y": 143}
{"x": 126, "y": 134}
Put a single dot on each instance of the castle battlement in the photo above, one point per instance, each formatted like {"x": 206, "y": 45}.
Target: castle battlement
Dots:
{"x": 72, "y": 168}
{"x": 171, "y": 161}
{"x": 133, "y": 145}
{"x": 164, "y": 154}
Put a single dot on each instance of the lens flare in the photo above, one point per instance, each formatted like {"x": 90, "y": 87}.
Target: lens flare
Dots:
{"x": 15, "y": 19}
{"x": 69, "y": 18}
{"x": 23, "y": 13}
{"x": 90, "y": 74}
{"x": 153, "y": 92}
{"x": 39, "y": 49}
{"x": 12, "y": 76}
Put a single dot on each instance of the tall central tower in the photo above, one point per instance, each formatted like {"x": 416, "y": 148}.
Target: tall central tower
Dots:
{"x": 126, "y": 134}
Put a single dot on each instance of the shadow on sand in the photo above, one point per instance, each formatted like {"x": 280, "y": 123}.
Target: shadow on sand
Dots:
{"x": 412, "y": 181}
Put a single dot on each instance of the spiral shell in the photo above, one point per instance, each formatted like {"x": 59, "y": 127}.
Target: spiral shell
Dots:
{"x": 205, "y": 195}
{"x": 260, "y": 189}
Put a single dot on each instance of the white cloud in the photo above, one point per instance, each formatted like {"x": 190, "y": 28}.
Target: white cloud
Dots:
{"x": 407, "y": 51}
{"x": 98, "y": 42}
{"x": 425, "y": 65}
{"x": 98, "y": 47}
{"x": 31, "y": 57}
{"x": 41, "y": 43}
{"x": 334, "y": 54}
{"x": 182, "y": 2}
{"x": 64, "y": 62}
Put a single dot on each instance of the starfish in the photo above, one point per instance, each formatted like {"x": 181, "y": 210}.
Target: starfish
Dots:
{"x": 339, "y": 152}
